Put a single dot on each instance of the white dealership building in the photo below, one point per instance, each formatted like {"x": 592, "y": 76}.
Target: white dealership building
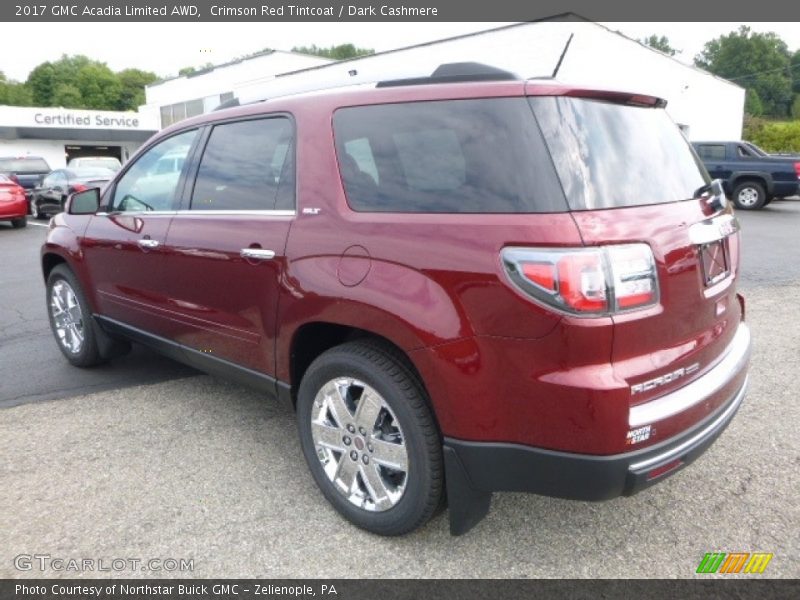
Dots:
{"x": 705, "y": 106}
{"x": 58, "y": 134}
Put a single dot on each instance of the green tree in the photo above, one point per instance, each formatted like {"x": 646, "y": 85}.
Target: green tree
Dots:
{"x": 659, "y": 43}
{"x": 67, "y": 95}
{"x": 99, "y": 86}
{"x": 42, "y": 83}
{"x": 757, "y": 61}
{"x": 795, "y": 66}
{"x": 13, "y": 93}
{"x": 340, "y": 52}
{"x": 796, "y": 107}
{"x": 132, "y": 82}
{"x": 752, "y": 103}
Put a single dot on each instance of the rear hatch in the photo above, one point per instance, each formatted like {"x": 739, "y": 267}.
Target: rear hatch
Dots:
{"x": 630, "y": 177}
{"x": 28, "y": 172}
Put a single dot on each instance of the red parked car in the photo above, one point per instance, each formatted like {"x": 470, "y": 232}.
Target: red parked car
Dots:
{"x": 462, "y": 284}
{"x": 13, "y": 203}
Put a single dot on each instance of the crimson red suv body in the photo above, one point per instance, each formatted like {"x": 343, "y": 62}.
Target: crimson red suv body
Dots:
{"x": 470, "y": 286}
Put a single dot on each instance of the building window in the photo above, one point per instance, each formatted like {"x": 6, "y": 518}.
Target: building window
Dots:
{"x": 173, "y": 113}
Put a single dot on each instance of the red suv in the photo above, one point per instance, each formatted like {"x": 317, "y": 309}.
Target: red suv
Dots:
{"x": 463, "y": 284}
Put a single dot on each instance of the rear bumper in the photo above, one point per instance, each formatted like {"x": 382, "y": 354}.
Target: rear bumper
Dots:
{"x": 13, "y": 210}
{"x": 476, "y": 469}
{"x": 494, "y": 467}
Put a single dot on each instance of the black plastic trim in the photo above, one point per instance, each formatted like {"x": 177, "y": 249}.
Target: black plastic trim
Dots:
{"x": 479, "y": 468}
{"x": 208, "y": 363}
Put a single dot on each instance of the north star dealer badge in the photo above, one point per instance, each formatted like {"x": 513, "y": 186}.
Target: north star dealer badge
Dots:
{"x": 639, "y": 434}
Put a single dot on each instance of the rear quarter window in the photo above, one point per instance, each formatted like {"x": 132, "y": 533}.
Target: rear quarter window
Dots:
{"x": 455, "y": 156}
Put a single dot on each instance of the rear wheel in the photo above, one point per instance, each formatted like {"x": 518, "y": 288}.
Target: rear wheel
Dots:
{"x": 749, "y": 195}
{"x": 370, "y": 439}
{"x": 19, "y": 223}
{"x": 70, "y": 318}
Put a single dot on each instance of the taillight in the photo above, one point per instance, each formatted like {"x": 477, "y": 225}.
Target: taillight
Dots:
{"x": 797, "y": 169}
{"x": 79, "y": 187}
{"x": 586, "y": 281}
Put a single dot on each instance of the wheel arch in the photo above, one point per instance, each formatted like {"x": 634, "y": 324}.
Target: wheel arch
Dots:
{"x": 311, "y": 339}
{"x": 756, "y": 176}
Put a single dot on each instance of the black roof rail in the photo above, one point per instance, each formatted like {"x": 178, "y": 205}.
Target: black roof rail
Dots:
{"x": 455, "y": 73}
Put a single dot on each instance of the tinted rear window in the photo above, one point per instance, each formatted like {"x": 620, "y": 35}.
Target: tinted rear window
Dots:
{"x": 24, "y": 165}
{"x": 612, "y": 155}
{"x": 460, "y": 156}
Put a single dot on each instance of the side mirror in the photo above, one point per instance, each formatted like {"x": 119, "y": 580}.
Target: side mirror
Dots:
{"x": 83, "y": 203}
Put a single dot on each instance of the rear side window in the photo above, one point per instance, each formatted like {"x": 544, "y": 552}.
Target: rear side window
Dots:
{"x": 711, "y": 151}
{"x": 455, "y": 156}
{"x": 244, "y": 166}
{"x": 24, "y": 165}
{"x": 612, "y": 155}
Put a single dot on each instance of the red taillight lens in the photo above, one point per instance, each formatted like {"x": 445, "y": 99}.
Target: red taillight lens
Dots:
{"x": 586, "y": 281}
{"x": 797, "y": 169}
{"x": 79, "y": 187}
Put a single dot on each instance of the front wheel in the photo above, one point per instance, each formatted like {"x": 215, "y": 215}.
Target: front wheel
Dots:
{"x": 70, "y": 318}
{"x": 749, "y": 195}
{"x": 36, "y": 212}
{"x": 370, "y": 439}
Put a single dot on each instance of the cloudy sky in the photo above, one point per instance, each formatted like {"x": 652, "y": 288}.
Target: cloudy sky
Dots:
{"x": 164, "y": 48}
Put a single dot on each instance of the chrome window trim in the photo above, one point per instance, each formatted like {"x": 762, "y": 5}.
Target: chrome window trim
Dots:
{"x": 736, "y": 355}
{"x": 160, "y": 213}
{"x": 705, "y": 432}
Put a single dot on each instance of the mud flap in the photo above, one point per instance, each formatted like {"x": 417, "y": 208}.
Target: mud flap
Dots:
{"x": 108, "y": 346}
{"x": 467, "y": 506}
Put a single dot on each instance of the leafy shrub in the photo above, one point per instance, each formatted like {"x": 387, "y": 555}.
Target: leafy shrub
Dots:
{"x": 773, "y": 136}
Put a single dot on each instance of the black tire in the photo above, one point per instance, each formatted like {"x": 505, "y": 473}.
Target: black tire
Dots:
{"x": 770, "y": 199}
{"x": 387, "y": 374}
{"x": 88, "y": 355}
{"x": 749, "y": 195}
{"x": 36, "y": 211}
{"x": 19, "y": 223}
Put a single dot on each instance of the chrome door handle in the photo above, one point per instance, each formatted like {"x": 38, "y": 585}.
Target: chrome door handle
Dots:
{"x": 257, "y": 253}
{"x": 148, "y": 243}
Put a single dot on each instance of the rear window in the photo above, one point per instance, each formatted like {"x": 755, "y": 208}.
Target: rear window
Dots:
{"x": 613, "y": 155}
{"x": 97, "y": 163}
{"x": 24, "y": 165}
{"x": 459, "y": 156}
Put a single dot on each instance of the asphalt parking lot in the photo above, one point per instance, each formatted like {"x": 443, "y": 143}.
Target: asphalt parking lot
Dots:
{"x": 147, "y": 459}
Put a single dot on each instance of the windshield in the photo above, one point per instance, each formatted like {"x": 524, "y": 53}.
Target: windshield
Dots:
{"x": 756, "y": 150}
{"x": 612, "y": 155}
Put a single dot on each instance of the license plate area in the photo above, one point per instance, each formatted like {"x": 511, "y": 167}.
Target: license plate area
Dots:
{"x": 715, "y": 261}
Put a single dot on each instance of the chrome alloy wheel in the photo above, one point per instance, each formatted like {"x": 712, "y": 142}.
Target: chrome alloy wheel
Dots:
{"x": 748, "y": 196}
{"x": 359, "y": 444}
{"x": 67, "y": 316}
